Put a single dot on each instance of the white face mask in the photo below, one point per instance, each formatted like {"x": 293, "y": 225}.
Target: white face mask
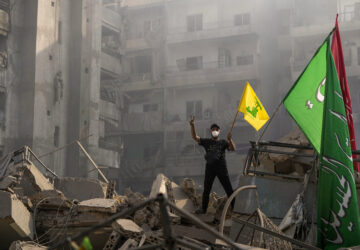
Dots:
{"x": 215, "y": 133}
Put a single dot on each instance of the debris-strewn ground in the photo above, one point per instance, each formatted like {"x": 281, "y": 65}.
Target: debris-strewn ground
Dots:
{"x": 36, "y": 211}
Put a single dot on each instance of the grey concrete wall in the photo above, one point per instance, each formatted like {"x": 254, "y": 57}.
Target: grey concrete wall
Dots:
{"x": 90, "y": 80}
{"x": 73, "y": 109}
{"x": 20, "y": 75}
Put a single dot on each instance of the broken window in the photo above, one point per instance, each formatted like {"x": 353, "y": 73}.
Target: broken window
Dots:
{"x": 59, "y": 32}
{"x": 2, "y": 109}
{"x": 58, "y": 87}
{"x": 152, "y": 107}
{"x": 141, "y": 64}
{"x": 107, "y": 94}
{"x": 108, "y": 135}
{"x": 224, "y": 58}
{"x": 194, "y": 108}
{"x": 194, "y": 63}
{"x": 57, "y": 136}
{"x": 245, "y": 60}
{"x": 194, "y": 23}
{"x": 242, "y": 19}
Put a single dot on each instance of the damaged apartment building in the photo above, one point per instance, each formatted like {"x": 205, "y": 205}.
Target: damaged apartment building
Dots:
{"x": 188, "y": 58}
{"x": 123, "y": 77}
{"x": 194, "y": 57}
{"x": 59, "y": 57}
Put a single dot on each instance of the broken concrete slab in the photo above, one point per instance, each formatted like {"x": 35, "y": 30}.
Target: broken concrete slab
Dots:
{"x": 126, "y": 225}
{"x": 25, "y": 179}
{"x": 81, "y": 188}
{"x": 50, "y": 199}
{"x": 16, "y": 222}
{"x": 98, "y": 205}
{"x": 173, "y": 191}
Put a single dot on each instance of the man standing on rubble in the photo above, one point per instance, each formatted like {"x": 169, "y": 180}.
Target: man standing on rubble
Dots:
{"x": 215, "y": 161}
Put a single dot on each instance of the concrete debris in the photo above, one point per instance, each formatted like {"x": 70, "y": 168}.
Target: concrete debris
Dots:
{"x": 16, "y": 222}
{"x": 24, "y": 179}
{"x": 33, "y": 209}
{"x": 173, "y": 192}
{"x": 50, "y": 199}
{"x": 81, "y": 188}
{"x": 126, "y": 225}
{"x": 289, "y": 164}
{"x": 98, "y": 205}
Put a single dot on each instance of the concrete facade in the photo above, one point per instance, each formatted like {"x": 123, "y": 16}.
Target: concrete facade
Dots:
{"x": 196, "y": 58}
{"x": 124, "y": 76}
{"x": 51, "y": 83}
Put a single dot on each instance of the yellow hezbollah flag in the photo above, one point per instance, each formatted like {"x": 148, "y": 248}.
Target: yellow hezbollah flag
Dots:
{"x": 254, "y": 112}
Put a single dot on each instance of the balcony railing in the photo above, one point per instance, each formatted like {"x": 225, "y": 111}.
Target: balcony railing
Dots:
{"x": 209, "y": 31}
{"x": 142, "y": 122}
{"x": 212, "y": 72}
{"x": 111, "y": 19}
{"x": 110, "y": 64}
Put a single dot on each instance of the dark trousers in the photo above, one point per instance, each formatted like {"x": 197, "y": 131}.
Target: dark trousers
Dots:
{"x": 221, "y": 172}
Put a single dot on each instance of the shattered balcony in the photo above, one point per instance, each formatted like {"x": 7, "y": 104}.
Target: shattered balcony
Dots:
{"x": 109, "y": 110}
{"x": 142, "y": 122}
{"x": 110, "y": 64}
{"x": 111, "y": 19}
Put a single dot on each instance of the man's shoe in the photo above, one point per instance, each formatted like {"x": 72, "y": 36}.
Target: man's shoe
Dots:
{"x": 200, "y": 211}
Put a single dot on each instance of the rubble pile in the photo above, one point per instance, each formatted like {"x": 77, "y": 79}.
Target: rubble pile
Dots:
{"x": 37, "y": 212}
{"x": 289, "y": 164}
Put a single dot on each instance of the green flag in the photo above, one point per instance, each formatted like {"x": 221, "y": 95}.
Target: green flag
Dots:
{"x": 338, "y": 212}
{"x": 305, "y": 100}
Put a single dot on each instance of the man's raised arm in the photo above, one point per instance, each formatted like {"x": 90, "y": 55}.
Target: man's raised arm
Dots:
{"x": 231, "y": 142}
{"x": 192, "y": 128}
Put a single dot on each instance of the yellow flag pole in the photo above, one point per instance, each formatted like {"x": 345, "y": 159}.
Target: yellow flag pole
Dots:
{"x": 232, "y": 126}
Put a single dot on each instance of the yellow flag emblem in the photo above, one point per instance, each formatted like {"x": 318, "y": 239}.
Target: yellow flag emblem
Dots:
{"x": 254, "y": 112}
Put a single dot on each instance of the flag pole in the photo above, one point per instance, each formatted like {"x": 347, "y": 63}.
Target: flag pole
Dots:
{"x": 232, "y": 126}
{"x": 267, "y": 125}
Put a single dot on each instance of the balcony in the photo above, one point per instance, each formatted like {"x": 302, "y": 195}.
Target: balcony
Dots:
{"x": 111, "y": 19}
{"x": 109, "y": 158}
{"x": 136, "y": 44}
{"x": 140, "y": 3}
{"x": 210, "y": 31}
{"x": 109, "y": 110}
{"x": 140, "y": 82}
{"x": 142, "y": 122}
{"x": 210, "y": 73}
{"x": 110, "y": 64}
